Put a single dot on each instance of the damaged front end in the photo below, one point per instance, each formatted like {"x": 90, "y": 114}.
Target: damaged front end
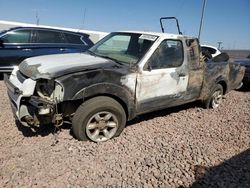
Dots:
{"x": 43, "y": 104}
{"x": 36, "y": 102}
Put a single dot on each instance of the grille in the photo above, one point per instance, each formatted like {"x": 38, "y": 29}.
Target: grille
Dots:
{"x": 21, "y": 77}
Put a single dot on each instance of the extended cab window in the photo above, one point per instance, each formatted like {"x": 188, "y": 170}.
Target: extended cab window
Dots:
{"x": 19, "y": 36}
{"x": 169, "y": 54}
{"x": 43, "y": 36}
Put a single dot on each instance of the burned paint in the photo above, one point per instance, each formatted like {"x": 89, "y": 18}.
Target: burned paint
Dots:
{"x": 115, "y": 81}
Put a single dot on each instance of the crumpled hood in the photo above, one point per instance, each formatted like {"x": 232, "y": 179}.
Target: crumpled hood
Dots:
{"x": 52, "y": 66}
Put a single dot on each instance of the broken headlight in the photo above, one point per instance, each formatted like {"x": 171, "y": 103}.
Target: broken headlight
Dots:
{"x": 45, "y": 88}
{"x": 49, "y": 89}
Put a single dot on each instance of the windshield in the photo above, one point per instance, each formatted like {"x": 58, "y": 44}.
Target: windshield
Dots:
{"x": 124, "y": 47}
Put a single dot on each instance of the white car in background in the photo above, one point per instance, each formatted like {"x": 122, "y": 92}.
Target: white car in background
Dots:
{"x": 213, "y": 51}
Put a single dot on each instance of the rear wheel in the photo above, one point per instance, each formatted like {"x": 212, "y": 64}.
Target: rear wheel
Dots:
{"x": 215, "y": 97}
{"x": 99, "y": 119}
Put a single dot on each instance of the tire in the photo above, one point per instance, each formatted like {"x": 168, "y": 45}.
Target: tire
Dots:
{"x": 99, "y": 119}
{"x": 215, "y": 97}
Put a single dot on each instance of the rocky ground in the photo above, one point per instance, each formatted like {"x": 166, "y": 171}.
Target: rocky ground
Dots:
{"x": 186, "y": 146}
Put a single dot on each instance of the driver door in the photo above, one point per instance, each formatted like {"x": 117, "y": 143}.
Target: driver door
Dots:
{"x": 164, "y": 79}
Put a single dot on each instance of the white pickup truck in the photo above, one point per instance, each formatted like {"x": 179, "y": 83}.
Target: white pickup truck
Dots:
{"x": 124, "y": 75}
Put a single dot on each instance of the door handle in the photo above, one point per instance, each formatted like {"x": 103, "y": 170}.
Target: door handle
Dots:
{"x": 62, "y": 49}
{"x": 181, "y": 74}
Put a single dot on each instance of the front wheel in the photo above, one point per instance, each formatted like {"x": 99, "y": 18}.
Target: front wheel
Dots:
{"x": 99, "y": 119}
{"x": 215, "y": 97}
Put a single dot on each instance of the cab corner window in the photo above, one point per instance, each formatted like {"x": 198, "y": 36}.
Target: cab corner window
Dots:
{"x": 19, "y": 36}
{"x": 169, "y": 54}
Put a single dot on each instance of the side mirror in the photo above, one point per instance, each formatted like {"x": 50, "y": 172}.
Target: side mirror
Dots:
{"x": 148, "y": 67}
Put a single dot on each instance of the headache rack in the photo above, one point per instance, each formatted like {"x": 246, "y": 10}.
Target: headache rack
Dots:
{"x": 170, "y": 18}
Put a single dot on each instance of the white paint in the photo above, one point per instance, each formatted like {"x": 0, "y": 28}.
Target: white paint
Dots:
{"x": 148, "y": 37}
{"x": 129, "y": 81}
{"x": 58, "y": 93}
{"x": 217, "y": 51}
{"x": 159, "y": 83}
{"x": 55, "y": 63}
{"x": 162, "y": 35}
{"x": 27, "y": 87}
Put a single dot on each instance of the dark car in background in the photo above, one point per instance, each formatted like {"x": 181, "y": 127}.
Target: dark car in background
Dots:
{"x": 246, "y": 63}
{"x": 19, "y": 43}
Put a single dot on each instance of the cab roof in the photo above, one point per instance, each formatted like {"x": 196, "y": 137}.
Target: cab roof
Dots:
{"x": 158, "y": 34}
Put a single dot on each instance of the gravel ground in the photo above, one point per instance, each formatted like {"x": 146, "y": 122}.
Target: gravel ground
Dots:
{"x": 186, "y": 146}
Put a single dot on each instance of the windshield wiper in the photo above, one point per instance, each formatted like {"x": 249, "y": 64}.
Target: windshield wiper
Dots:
{"x": 104, "y": 56}
{"x": 110, "y": 58}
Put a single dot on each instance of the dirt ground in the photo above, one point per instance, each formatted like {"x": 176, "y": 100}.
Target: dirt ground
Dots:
{"x": 187, "y": 146}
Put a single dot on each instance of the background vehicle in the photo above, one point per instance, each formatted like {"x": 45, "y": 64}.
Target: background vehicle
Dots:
{"x": 245, "y": 63}
{"x": 210, "y": 51}
{"x": 20, "y": 43}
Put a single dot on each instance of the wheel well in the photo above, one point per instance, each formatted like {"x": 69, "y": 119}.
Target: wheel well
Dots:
{"x": 121, "y": 102}
{"x": 224, "y": 86}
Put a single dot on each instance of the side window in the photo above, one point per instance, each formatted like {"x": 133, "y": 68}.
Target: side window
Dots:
{"x": 19, "y": 36}
{"x": 169, "y": 54}
{"x": 43, "y": 36}
{"x": 74, "y": 39}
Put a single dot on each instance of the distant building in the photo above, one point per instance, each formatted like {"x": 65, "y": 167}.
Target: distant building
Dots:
{"x": 94, "y": 35}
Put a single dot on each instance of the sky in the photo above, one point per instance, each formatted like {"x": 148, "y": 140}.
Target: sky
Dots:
{"x": 226, "y": 21}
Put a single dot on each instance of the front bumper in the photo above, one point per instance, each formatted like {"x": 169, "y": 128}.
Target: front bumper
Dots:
{"x": 19, "y": 89}
{"x": 11, "y": 87}
{"x": 27, "y": 107}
